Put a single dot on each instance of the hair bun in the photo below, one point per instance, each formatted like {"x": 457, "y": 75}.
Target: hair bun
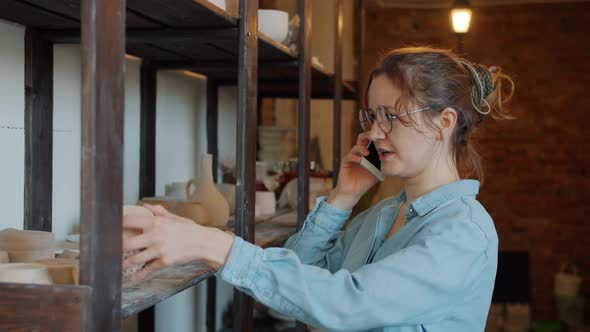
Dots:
{"x": 487, "y": 81}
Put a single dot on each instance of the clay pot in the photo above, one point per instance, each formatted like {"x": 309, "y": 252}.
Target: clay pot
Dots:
{"x": 13, "y": 239}
{"x": 25, "y": 273}
{"x": 193, "y": 211}
{"x": 27, "y": 256}
{"x": 4, "y": 257}
{"x": 26, "y": 246}
{"x": 133, "y": 210}
{"x": 62, "y": 270}
{"x": 208, "y": 196}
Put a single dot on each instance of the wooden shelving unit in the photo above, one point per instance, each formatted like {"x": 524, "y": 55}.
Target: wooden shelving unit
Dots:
{"x": 175, "y": 34}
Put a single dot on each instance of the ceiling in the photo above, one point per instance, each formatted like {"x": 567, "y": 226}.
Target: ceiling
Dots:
{"x": 448, "y": 3}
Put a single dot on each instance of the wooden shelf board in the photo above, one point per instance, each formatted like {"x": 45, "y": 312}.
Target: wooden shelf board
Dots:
{"x": 161, "y": 285}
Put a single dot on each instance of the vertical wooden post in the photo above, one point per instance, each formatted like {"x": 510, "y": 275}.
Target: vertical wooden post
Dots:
{"x": 360, "y": 33}
{"x": 212, "y": 123}
{"x": 146, "y": 319}
{"x": 246, "y": 145}
{"x": 337, "y": 116}
{"x": 212, "y": 148}
{"x": 38, "y": 132}
{"x": 304, "y": 110}
{"x": 304, "y": 114}
{"x": 103, "y": 69}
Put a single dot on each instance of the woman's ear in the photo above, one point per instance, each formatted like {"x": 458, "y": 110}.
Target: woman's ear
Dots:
{"x": 448, "y": 119}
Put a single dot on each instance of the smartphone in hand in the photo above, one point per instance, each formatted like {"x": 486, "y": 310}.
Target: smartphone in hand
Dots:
{"x": 372, "y": 163}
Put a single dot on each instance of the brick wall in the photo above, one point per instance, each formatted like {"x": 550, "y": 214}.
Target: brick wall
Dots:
{"x": 537, "y": 183}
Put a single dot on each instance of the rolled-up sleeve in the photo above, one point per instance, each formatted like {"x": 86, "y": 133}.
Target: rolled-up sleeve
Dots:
{"x": 416, "y": 285}
{"x": 318, "y": 242}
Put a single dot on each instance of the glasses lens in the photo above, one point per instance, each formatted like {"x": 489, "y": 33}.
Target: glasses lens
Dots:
{"x": 366, "y": 119}
{"x": 383, "y": 120}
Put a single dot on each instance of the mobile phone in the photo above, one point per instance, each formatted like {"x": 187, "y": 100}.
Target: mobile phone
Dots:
{"x": 372, "y": 163}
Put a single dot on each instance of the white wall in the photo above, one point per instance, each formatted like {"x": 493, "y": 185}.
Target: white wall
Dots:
{"x": 181, "y": 138}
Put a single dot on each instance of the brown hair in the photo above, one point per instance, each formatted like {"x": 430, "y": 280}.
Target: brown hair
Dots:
{"x": 429, "y": 77}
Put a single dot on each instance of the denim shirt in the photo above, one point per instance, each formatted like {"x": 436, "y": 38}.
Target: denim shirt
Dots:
{"x": 435, "y": 274}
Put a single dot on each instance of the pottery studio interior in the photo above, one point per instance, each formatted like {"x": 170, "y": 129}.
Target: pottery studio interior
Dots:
{"x": 294, "y": 165}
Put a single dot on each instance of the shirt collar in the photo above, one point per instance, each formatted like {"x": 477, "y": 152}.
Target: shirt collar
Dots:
{"x": 429, "y": 201}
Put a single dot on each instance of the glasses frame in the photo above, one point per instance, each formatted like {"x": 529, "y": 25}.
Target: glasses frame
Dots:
{"x": 372, "y": 116}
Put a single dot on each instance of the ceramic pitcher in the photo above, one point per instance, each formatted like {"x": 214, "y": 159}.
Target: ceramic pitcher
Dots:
{"x": 207, "y": 194}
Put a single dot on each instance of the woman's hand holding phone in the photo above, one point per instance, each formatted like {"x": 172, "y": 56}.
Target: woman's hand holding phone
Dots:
{"x": 353, "y": 179}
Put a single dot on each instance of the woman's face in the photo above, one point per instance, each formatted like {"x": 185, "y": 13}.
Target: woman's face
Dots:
{"x": 408, "y": 150}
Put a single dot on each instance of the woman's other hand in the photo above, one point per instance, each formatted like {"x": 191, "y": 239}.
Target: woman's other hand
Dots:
{"x": 353, "y": 179}
{"x": 168, "y": 239}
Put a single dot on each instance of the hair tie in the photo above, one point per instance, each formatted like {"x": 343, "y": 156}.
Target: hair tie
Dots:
{"x": 483, "y": 85}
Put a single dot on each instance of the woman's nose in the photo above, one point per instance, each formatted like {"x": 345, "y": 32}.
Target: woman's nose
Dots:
{"x": 375, "y": 132}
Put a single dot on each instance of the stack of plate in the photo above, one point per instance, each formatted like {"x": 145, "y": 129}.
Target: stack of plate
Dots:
{"x": 275, "y": 143}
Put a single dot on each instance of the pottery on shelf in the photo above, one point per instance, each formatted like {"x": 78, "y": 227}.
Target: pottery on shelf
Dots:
{"x": 194, "y": 211}
{"x": 176, "y": 190}
{"x": 4, "y": 257}
{"x": 265, "y": 203}
{"x": 27, "y": 273}
{"x": 63, "y": 271}
{"x": 133, "y": 210}
{"x": 273, "y": 23}
{"x": 228, "y": 191}
{"x": 26, "y": 246}
{"x": 207, "y": 195}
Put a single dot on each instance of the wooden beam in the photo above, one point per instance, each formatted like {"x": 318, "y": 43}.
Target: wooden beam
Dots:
{"x": 147, "y": 155}
{"x": 337, "y": 116}
{"x": 217, "y": 65}
{"x": 246, "y": 146}
{"x": 212, "y": 148}
{"x": 213, "y": 123}
{"x": 146, "y": 319}
{"x": 304, "y": 115}
{"x": 103, "y": 68}
{"x": 38, "y": 132}
{"x": 55, "y": 308}
{"x": 139, "y": 36}
{"x": 304, "y": 110}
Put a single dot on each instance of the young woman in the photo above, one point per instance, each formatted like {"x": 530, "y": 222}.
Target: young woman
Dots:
{"x": 423, "y": 260}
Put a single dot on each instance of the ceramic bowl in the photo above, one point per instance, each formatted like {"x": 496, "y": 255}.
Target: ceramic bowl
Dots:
{"x": 273, "y": 23}
{"x": 62, "y": 270}
{"x": 27, "y": 273}
{"x": 13, "y": 239}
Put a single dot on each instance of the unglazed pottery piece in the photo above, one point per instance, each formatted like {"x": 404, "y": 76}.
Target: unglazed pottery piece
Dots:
{"x": 193, "y": 211}
{"x": 207, "y": 194}
{"x": 4, "y": 257}
{"x": 61, "y": 270}
{"x": 14, "y": 239}
{"x": 26, "y": 273}
{"x": 133, "y": 210}
{"x": 27, "y": 256}
{"x": 26, "y": 246}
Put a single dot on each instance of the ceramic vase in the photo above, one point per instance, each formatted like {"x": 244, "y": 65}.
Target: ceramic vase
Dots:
{"x": 207, "y": 195}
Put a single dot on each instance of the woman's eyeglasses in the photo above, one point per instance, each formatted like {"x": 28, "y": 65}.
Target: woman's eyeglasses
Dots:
{"x": 384, "y": 118}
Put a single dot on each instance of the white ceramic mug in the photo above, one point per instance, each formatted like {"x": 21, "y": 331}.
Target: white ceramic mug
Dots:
{"x": 176, "y": 189}
{"x": 273, "y": 23}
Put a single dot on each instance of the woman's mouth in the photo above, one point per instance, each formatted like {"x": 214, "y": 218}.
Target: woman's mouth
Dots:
{"x": 384, "y": 154}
